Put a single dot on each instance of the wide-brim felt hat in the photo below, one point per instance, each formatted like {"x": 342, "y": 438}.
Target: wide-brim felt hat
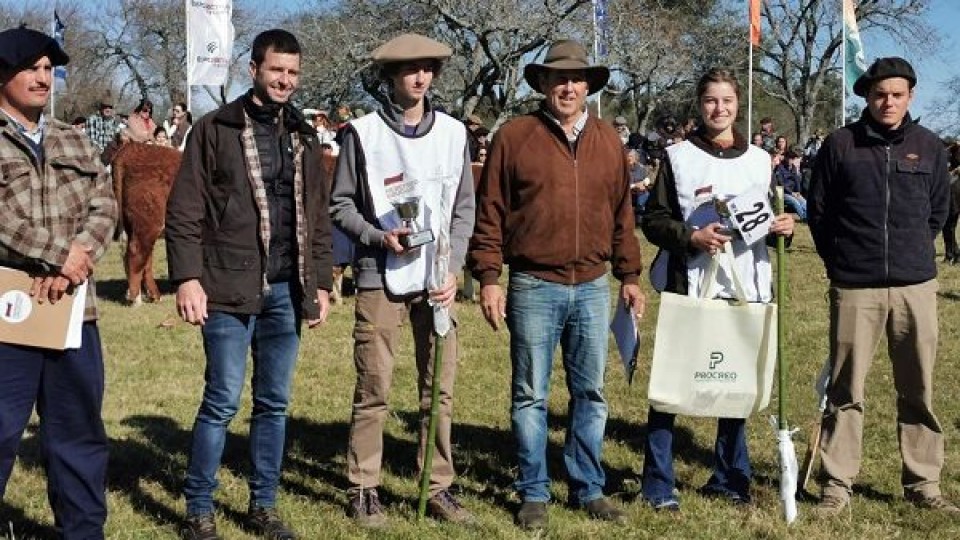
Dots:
{"x": 567, "y": 54}
{"x": 407, "y": 47}
{"x": 884, "y": 68}
{"x": 20, "y": 47}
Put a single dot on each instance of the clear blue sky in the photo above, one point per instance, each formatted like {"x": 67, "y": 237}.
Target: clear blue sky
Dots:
{"x": 932, "y": 70}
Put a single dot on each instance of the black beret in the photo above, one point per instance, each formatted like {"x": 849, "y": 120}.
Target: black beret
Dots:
{"x": 20, "y": 47}
{"x": 884, "y": 68}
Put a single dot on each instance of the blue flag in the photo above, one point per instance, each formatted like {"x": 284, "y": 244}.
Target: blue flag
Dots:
{"x": 59, "y": 72}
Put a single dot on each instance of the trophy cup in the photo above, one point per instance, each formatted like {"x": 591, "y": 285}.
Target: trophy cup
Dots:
{"x": 409, "y": 209}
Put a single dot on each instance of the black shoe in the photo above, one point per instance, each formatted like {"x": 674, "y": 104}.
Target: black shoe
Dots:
{"x": 365, "y": 508}
{"x": 200, "y": 527}
{"x": 532, "y": 516}
{"x": 266, "y": 523}
{"x": 605, "y": 510}
{"x": 732, "y": 497}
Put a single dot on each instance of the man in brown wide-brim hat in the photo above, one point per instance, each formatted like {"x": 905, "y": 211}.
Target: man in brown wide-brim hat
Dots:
{"x": 554, "y": 205}
{"x": 405, "y": 152}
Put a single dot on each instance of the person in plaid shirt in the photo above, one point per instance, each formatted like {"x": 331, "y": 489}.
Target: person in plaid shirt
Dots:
{"x": 103, "y": 126}
{"x": 58, "y": 214}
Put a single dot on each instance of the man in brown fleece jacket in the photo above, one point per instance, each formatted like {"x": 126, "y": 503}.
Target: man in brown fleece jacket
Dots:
{"x": 554, "y": 204}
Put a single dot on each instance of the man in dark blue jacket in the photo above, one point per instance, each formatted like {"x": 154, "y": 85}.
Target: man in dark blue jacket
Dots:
{"x": 878, "y": 198}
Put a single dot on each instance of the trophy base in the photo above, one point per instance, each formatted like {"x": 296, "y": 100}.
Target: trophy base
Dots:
{"x": 417, "y": 239}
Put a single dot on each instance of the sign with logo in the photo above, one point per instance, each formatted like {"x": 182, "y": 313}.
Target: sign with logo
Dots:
{"x": 752, "y": 215}
{"x": 209, "y": 41}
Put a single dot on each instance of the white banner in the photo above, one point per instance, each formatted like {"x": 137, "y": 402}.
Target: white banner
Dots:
{"x": 209, "y": 41}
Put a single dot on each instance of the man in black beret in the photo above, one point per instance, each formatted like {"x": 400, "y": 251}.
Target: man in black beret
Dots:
{"x": 56, "y": 234}
{"x": 879, "y": 195}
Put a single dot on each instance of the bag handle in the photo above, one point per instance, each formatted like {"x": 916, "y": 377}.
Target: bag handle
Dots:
{"x": 709, "y": 277}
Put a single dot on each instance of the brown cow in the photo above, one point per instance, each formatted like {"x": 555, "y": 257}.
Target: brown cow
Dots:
{"x": 142, "y": 177}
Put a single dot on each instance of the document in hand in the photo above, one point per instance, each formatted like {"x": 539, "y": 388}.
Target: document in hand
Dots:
{"x": 627, "y": 336}
{"x": 24, "y": 321}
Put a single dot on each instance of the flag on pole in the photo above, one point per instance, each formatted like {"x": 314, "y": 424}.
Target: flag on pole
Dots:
{"x": 755, "y": 22}
{"x": 209, "y": 41}
{"x": 59, "y": 72}
{"x": 601, "y": 27}
{"x": 855, "y": 61}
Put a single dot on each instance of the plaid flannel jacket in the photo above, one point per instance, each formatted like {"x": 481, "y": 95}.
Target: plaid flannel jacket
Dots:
{"x": 46, "y": 206}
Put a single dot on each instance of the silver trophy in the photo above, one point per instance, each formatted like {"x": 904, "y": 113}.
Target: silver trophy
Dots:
{"x": 409, "y": 209}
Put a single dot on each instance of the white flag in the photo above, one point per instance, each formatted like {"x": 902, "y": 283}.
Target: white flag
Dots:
{"x": 209, "y": 41}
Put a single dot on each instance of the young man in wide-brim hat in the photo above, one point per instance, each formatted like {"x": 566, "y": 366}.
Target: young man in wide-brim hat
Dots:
{"x": 554, "y": 205}
{"x": 408, "y": 148}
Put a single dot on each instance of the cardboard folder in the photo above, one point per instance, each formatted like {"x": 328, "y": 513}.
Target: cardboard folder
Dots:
{"x": 25, "y": 321}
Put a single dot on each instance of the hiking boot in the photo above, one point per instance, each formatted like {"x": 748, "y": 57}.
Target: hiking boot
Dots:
{"x": 444, "y": 507}
{"x": 605, "y": 510}
{"x": 532, "y": 515}
{"x": 266, "y": 523}
{"x": 832, "y": 505}
{"x": 365, "y": 508}
{"x": 936, "y": 502}
{"x": 200, "y": 527}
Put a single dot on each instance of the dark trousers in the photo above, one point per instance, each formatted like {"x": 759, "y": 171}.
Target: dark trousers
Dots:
{"x": 67, "y": 388}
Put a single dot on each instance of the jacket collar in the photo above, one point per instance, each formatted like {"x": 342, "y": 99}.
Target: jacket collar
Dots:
{"x": 882, "y": 134}
{"x": 700, "y": 140}
{"x": 233, "y": 114}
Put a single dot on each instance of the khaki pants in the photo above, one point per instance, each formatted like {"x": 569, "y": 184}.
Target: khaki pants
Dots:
{"x": 379, "y": 317}
{"x": 858, "y": 316}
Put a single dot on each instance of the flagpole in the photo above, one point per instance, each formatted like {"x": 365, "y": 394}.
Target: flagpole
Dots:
{"x": 53, "y": 78}
{"x": 189, "y": 52}
{"x": 596, "y": 51}
{"x": 843, "y": 73}
{"x": 750, "y": 91}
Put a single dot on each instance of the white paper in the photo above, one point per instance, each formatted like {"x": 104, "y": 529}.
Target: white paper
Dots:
{"x": 752, "y": 215}
{"x": 627, "y": 336}
{"x": 75, "y": 326}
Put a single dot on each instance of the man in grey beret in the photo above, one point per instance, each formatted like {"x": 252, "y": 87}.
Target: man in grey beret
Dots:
{"x": 879, "y": 195}
{"x": 402, "y": 182}
{"x": 56, "y": 234}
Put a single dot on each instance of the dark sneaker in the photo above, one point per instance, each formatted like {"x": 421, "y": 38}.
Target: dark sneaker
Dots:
{"x": 445, "y": 507}
{"x": 266, "y": 523}
{"x": 532, "y": 515}
{"x": 832, "y": 505}
{"x": 605, "y": 510}
{"x": 936, "y": 502}
{"x": 732, "y": 497}
{"x": 200, "y": 527}
{"x": 365, "y": 508}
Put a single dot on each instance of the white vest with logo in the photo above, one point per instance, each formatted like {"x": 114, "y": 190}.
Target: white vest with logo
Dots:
{"x": 421, "y": 166}
{"x": 699, "y": 177}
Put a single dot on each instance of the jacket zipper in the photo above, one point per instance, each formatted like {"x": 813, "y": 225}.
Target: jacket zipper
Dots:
{"x": 576, "y": 205}
{"x": 886, "y": 217}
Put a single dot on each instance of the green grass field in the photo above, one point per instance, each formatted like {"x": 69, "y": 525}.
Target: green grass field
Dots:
{"x": 154, "y": 380}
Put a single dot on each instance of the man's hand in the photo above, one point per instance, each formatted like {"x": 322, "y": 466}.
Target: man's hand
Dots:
{"x": 446, "y": 293}
{"x": 782, "y": 225}
{"x": 323, "y": 302}
{"x": 192, "y": 302}
{"x": 634, "y": 298}
{"x": 50, "y": 288}
{"x": 493, "y": 304}
{"x": 391, "y": 240}
{"x": 79, "y": 265}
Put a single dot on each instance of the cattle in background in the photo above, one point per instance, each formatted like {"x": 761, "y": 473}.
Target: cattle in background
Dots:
{"x": 142, "y": 177}
{"x": 952, "y": 251}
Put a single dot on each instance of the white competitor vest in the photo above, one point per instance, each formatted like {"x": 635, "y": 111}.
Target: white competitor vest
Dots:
{"x": 700, "y": 177}
{"x": 418, "y": 166}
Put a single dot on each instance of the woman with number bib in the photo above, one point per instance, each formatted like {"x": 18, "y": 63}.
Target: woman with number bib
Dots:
{"x": 686, "y": 218}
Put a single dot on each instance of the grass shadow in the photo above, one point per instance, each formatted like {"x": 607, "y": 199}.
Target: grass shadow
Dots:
{"x": 14, "y": 524}
{"x": 115, "y": 290}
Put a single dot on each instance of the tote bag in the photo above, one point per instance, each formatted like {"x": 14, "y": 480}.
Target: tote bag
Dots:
{"x": 713, "y": 357}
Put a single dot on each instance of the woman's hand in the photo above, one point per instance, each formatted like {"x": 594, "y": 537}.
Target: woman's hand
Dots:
{"x": 782, "y": 225}
{"x": 712, "y": 237}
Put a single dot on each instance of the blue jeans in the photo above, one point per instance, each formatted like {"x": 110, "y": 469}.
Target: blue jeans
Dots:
{"x": 539, "y": 315}
{"x": 731, "y": 468}
{"x": 273, "y": 336}
{"x": 796, "y": 204}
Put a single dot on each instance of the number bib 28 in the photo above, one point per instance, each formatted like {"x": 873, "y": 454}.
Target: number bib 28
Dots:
{"x": 751, "y": 214}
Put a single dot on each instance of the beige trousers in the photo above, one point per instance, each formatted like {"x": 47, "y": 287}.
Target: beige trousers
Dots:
{"x": 379, "y": 317}
{"x": 858, "y": 317}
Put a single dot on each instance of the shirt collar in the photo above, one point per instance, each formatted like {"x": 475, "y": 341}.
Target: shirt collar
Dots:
{"x": 37, "y": 134}
{"x": 577, "y": 126}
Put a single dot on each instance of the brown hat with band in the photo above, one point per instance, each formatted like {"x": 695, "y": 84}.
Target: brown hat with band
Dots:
{"x": 408, "y": 47}
{"x": 565, "y": 55}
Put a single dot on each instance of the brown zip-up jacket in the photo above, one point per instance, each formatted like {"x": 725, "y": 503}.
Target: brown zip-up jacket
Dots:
{"x": 552, "y": 209}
